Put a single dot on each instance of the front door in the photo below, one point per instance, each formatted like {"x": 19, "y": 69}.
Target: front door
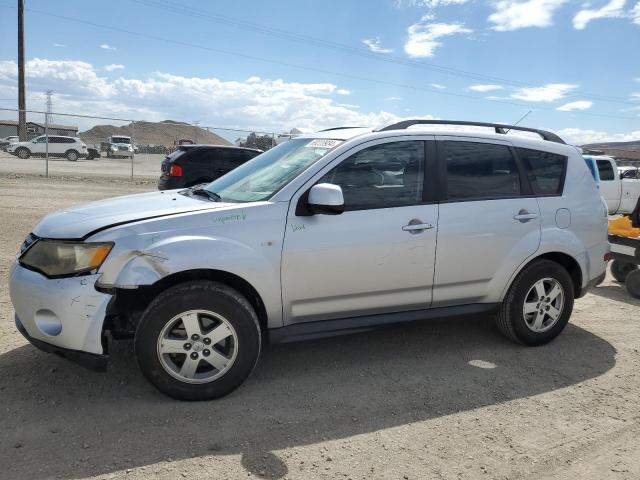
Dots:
{"x": 377, "y": 256}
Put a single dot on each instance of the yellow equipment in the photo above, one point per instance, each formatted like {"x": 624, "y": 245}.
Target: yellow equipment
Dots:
{"x": 625, "y": 251}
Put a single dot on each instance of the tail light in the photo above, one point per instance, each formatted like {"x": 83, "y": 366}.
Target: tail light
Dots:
{"x": 607, "y": 256}
{"x": 175, "y": 170}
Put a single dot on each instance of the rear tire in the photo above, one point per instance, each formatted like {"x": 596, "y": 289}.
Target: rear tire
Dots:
{"x": 23, "y": 153}
{"x": 633, "y": 283}
{"x": 538, "y": 304}
{"x": 620, "y": 269}
{"x": 72, "y": 155}
{"x": 198, "y": 340}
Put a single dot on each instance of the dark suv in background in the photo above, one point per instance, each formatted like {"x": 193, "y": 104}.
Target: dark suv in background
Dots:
{"x": 193, "y": 164}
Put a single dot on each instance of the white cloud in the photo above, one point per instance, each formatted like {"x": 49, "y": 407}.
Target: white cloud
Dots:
{"x": 635, "y": 96}
{"x": 438, "y": 86}
{"x": 374, "y": 45}
{"x": 485, "y": 87}
{"x": 578, "y": 105}
{"x": 515, "y": 14}
{"x": 423, "y": 36}
{"x": 578, "y": 136}
{"x": 59, "y": 45}
{"x": 106, "y": 46}
{"x": 635, "y": 14}
{"x": 113, "y": 66}
{"x": 547, "y": 93}
{"x": 614, "y": 8}
{"x": 254, "y": 103}
{"x": 393, "y": 99}
{"x": 343, "y": 91}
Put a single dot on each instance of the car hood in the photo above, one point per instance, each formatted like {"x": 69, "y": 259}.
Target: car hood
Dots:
{"x": 78, "y": 222}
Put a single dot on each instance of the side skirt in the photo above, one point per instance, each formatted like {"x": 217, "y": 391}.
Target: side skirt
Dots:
{"x": 329, "y": 328}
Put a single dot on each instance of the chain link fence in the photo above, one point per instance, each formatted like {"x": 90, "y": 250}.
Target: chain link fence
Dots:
{"x": 70, "y": 145}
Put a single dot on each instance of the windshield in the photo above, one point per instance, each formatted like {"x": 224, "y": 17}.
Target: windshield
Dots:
{"x": 264, "y": 175}
{"x": 120, "y": 140}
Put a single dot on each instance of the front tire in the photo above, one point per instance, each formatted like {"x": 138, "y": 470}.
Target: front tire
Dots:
{"x": 23, "y": 153}
{"x": 198, "y": 341}
{"x": 538, "y": 304}
{"x": 71, "y": 155}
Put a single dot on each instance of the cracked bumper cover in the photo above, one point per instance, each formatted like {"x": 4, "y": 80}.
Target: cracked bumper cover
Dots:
{"x": 63, "y": 315}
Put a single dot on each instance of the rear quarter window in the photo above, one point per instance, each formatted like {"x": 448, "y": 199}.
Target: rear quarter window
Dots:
{"x": 546, "y": 171}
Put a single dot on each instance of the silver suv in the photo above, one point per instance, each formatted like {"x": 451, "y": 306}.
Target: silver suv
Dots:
{"x": 335, "y": 232}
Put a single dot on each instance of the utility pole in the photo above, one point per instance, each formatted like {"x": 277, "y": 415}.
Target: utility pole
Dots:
{"x": 22, "y": 114}
{"x": 49, "y": 118}
{"x": 195, "y": 133}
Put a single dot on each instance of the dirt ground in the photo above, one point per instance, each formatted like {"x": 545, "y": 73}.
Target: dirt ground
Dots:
{"x": 442, "y": 399}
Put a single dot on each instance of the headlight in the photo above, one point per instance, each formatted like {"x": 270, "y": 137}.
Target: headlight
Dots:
{"x": 59, "y": 258}
{"x": 114, "y": 148}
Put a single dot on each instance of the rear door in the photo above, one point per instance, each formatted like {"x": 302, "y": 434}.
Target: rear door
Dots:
{"x": 488, "y": 224}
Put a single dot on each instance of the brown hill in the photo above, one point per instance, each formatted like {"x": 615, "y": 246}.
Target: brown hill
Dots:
{"x": 153, "y": 133}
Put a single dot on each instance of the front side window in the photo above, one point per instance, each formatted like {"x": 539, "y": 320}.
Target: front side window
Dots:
{"x": 545, "y": 170}
{"x": 42, "y": 139}
{"x": 264, "y": 175}
{"x": 382, "y": 176}
{"x": 605, "y": 170}
{"x": 480, "y": 171}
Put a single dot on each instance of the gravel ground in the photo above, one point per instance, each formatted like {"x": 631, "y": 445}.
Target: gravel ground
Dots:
{"x": 443, "y": 399}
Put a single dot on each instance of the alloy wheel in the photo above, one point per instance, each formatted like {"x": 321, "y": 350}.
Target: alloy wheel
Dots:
{"x": 197, "y": 346}
{"x": 543, "y": 305}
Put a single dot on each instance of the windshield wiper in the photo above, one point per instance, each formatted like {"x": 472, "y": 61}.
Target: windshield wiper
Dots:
{"x": 207, "y": 193}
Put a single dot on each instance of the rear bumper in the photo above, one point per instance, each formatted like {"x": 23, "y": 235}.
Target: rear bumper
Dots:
{"x": 170, "y": 183}
{"x": 88, "y": 360}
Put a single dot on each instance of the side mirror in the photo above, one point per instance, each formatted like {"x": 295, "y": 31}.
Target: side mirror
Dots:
{"x": 326, "y": 199}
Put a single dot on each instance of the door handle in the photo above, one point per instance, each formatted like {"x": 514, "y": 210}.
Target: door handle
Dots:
{"x": 416, "y": 227}
{"x": 524, "y": 216}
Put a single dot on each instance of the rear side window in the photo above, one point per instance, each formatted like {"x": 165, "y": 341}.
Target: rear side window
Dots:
{"x": 545, "y": 170}
{"x": 480, "y": 171}
{"x": 605, "y": 170}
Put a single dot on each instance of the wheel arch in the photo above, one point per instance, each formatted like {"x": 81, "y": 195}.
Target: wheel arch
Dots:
{"x": 126, "y": 308}
{"x": 568, "y": 262}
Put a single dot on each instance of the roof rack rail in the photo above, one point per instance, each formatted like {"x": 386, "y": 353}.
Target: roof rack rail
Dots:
{"x": 499, "y": 128}
{"x": 338, "y": 128}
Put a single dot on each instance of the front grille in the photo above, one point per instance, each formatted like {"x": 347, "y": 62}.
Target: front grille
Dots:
{"x": 123, "y": 148}
{"x": 30, "y": 240}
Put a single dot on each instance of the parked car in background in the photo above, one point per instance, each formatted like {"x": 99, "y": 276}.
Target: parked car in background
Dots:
{"x": 620, "y": 194}
{"x": 71, "y": 148}
{"x": 332, "y": 232}
{"x": 120, "y": 147}
{"x": 93, "y": 153}
{"x": 4, "y": 142}
{"x": 194, "y": 164}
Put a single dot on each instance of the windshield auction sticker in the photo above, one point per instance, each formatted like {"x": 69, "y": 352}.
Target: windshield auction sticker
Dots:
{"x": 323, "y": 143}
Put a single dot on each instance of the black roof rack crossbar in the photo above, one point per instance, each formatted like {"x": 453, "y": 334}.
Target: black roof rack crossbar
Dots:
{"x": 498, "y": 127}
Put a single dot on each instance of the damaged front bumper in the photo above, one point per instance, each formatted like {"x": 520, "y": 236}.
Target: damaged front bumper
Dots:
{"x": 64, "y": 315}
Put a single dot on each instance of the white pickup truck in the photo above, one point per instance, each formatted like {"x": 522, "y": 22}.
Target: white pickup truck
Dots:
{"x": 621, "y": 195}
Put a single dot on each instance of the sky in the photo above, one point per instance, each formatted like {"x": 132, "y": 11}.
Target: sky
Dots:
{"x": 275, "y": 65}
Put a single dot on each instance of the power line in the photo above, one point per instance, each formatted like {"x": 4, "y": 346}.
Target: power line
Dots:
{"x": 317, "y": 70}
{"x": 200, "y": 14}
